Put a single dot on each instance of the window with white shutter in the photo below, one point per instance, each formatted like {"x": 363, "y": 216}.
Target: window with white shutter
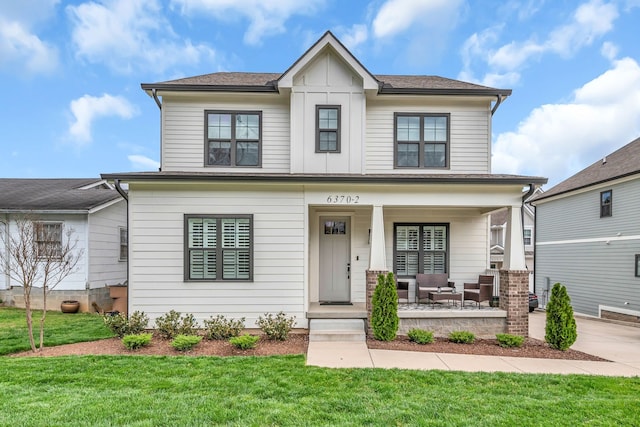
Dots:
{"x": 420, "y": 248}
{"x": 218, "y": 247}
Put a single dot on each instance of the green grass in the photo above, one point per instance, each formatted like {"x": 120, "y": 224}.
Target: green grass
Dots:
{"x": 59, "y": 328}
{"x": 198, "y": 391}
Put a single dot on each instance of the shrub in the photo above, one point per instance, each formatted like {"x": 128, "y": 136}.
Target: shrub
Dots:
{"x": 244, "y": 342}
{"x": 508, "y": 340}
{"x": 173, "y": 324}
{"x": 560, "y": 330}
{"x": 384, "y": 314}
{"x": 219, "y": 328}
{"x": 462, "y": 337}
{"x": 121, "y": 326}
{"x": 420, "y": 336}
{"x": 276, "y": 328}
{"x": 185, "y": 342}
{"x": 136, "y": 341}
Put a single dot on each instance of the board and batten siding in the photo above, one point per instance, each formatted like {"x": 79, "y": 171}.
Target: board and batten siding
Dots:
{"x": 157, "y": 252}
{"x": 105, "y": 266}
{"x": 183, "y": 131}
{"x": 470, "y": 131}
{"x": 593, "y": 257}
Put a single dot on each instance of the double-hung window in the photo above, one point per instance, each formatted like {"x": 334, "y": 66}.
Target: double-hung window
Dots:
{"x": 527, "y": 233}
{"x": 420, "y": 248}
{"x": 218, "y": 247}
{"x": 48, "y": 239}
{"x": 327, "y": 129}
{"x": 124, "y": 244}
{"x": 233, "y": 138}
{"x": 421, "y": 140}
{"x": 606, "y": 203}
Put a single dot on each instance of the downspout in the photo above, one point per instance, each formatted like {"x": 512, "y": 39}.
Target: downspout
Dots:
{"x": 154, "y": 92}
{"x": 7, "y": 275}
{"x": 126, "y": 199}
{"x": 532, "y": 189}
{"x": 499, "y": 99}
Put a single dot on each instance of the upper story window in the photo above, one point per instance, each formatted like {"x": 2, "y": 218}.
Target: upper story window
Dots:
{"x": 124, "y": 245}
{"x": 420, "y": 248}
{"x": 606, "y": 203}
{"x": 327, "y": 129}
{"x": 48, "y": 239}
{"x": 422, "y": 140}
{"x": 234, "y": 138}
{"x": 218, "y": 247}
{"x": 527, "y": 236}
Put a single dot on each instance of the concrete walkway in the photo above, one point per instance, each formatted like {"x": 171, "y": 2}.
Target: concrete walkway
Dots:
{"x": 618, "y": 343}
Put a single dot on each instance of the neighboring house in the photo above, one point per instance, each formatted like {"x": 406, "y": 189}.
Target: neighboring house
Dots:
{"x": 289, "y": 191}
{"x": 95, "y": 212}
{"x": 588, "y": 236}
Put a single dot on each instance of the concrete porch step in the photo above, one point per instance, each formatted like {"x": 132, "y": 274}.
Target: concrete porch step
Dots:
{"x": 349, "y": 330}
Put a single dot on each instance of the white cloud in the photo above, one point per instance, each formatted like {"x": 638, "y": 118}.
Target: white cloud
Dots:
{"x": 142, "y": 163}
{"x": 21, "y": 49}
{"x": 354, "y": 36}
{"x": 609, "y": 51}
{"x": 396, "y": 16}
{"x": 589, "y": 21}
{"x": 558, "y": 140}
{"x": 131, "y": 35}
{"x": 89, "y": 108}
{"x": 266, "y": 18}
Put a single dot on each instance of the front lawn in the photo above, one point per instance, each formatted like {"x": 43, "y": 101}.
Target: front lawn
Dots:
{"x": 187, "y": 391}
{"x": 59, "y": 328}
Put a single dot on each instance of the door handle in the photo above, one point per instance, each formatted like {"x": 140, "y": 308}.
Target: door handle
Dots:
{"x": 348, "y": 270}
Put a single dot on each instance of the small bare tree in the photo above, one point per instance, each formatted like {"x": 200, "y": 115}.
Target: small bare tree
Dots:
{"x": 38, "y": 254}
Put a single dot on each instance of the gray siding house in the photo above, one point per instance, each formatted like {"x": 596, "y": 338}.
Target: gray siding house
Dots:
{"x": 95, "y": 212}
{"x": 588, "y": 237}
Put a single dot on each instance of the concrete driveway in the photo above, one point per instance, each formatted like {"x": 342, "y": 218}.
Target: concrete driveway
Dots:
{"x": 611, "y": 341}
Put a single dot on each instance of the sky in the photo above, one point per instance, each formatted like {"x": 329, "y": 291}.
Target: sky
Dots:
{"x": 70, "y": 71}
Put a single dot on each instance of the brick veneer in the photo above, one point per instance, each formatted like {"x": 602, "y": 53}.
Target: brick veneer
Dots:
{"x": 514, "y": 299}
{"x": 372, "y": 282}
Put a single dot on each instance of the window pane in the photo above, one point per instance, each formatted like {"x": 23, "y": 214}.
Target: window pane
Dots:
{"x": 219, "y": 126}
{"x": 435, "y": 128}
{"x": 236, "y": 264}
{"x": 219, "y": 153}
{"x": 407, "y": 238}
{"x": 247, "y": 154}
{"x": 434, "y": 155}
{"x": 408, "y": 155}
{"x": 247, "y": 126}
{"x": 408, "y": 128}
{"x": 406, "y": 264}
{"x": 328, "y": 118}
{"x": 328, "y": 141}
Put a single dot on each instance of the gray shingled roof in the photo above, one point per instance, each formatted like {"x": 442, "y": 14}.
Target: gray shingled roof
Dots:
{"x": 620, "y": 163}
{"x": 19, "y": 195}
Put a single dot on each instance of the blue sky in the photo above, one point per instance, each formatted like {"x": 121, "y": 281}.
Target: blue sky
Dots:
{"x": 71, "y": 70}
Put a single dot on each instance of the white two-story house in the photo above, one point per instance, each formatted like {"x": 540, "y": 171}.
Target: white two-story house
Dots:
{"x": 290, "y": 191}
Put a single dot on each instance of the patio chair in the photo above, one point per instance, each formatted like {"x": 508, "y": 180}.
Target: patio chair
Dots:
{"x": 480, "y": 291}
{"x": 426, "y": 283}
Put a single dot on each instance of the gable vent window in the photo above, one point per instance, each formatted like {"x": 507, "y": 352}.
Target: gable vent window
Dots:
{"x": 327, "y": 129}
{"x": 606, "y": 204}
{"x": 233, "y": 138}
{"x": 218, "y": 247}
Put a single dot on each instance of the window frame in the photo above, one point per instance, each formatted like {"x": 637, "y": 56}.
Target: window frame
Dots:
{"x": 122, "y": 245}
{"x": 637, "y": 265}
{"x": 218, "y": 249}
{"x": 421, "y": 142}
{"x": 524, "y": 236}
{"x": 233, "y": 140}
{"x": 606, "y": 209}
{"x": 337, "y": 131}
{"x": 420, "y": 250}
{"x": 38, "y": 242}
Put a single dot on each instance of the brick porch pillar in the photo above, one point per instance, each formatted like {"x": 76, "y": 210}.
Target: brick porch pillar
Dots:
{"x": 514, "y": 299}
{"x": 372, "y": 282}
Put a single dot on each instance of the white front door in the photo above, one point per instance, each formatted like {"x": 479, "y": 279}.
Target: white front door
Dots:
{"x": 335, "y": 268}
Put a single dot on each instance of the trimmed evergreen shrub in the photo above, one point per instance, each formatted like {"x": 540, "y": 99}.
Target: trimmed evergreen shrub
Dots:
{"x": 121, "y": 326}
{"x": 173, "y": 323}
{"x": 384, "y": 312}
{"x": 420, "y": 336}
{"x": 462, "y": 337}
{"x": 221, "y": 328}
{"x": 185, "y": 342}
{"x": 560, "y": 330}
{"x": 276, "y": 328}
{"x": 136, "y": 341}
{"x": 244, "y": 342}
{"x": 509, "y": 341}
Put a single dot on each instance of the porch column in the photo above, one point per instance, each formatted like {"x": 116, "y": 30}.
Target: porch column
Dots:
{"x": 514, "y": 299}
{"x": 377, "y": 253}
{"x": 514, "y": 243}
